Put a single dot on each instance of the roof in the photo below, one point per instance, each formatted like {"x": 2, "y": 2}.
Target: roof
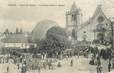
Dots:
{"x": 73, "y": 10}
{"x": 74, "y": 7}
{"x": 15, "y": 38}
{"x": 97, "y": 11}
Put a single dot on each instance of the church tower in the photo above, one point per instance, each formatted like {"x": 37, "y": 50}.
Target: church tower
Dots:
{"x": 73, "y": 21}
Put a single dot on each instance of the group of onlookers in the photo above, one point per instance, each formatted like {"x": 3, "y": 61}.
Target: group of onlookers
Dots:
{"x": 97, "y": 55}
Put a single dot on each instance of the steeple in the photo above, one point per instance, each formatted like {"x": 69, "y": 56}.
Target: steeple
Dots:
{"x": 74, "y": 7}
{"x": 100, "y": 2}
{"x": 98, "y": 10}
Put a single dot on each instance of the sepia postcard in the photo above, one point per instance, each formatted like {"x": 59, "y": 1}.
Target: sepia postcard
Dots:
{"x": 56, "y": 36}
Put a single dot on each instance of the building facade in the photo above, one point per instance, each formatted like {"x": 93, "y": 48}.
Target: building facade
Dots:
{"x": 17, "y": 41}
{"x": 73, "y": 21}
{"x": 98, "y": 27}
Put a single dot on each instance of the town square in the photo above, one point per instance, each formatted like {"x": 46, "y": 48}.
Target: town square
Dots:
{"x": 84, "y": 45}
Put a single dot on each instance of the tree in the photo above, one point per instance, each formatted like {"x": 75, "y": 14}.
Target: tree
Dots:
{"x": 6, "y": 31}
{"x": 17, "y": 30}
{"x": 21, "y": 31}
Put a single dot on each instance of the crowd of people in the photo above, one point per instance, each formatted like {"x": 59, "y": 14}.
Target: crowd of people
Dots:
{"x": 25, "y": 64}
{"x": 98, "y": 54}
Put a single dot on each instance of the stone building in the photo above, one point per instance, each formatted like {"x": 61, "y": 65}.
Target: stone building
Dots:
{"x": 98, "y": 27}
{"x": 16, "y": 40}
{"x": 73, "y": 21}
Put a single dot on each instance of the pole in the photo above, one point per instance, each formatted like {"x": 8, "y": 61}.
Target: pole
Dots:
{"x": 112, "y": 36}
{"x": 112, "y": 44}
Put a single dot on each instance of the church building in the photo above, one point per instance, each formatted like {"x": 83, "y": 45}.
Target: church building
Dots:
{"x": 97, "y": 28}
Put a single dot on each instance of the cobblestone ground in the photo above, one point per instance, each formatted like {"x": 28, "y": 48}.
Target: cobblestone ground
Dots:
{"x": 80, "y": 65}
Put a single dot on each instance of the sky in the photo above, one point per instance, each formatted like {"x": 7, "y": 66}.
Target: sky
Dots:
{"x": 26, "y": 17}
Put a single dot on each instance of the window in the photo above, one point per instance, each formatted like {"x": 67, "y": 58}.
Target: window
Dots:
{"x": 100, "y": 27}
{"x": 100, "y": 19}
{"x": 73, "y": 17}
